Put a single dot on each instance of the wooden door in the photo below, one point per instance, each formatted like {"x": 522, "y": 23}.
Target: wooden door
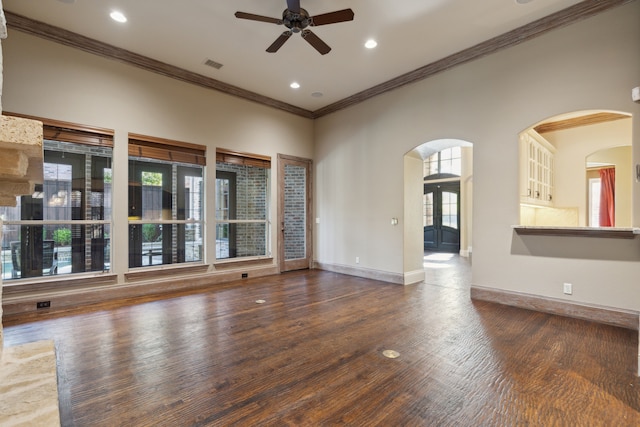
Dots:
{"x": 294, "y": 213}
{"x": 442, "y": 217}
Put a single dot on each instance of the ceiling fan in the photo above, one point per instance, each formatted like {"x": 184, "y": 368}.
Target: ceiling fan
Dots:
{"x": 297, "y": 19}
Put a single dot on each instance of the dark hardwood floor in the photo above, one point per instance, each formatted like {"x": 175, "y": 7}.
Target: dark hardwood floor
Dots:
{"x": 312, "y": 354}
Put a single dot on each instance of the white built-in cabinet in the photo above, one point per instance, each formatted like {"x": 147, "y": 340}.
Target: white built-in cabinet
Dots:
{"x": 536, "y": 169}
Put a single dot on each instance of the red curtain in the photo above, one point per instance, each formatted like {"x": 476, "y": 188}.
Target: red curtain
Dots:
{"x": 607, "y": 197}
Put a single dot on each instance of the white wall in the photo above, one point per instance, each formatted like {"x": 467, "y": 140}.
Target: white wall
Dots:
{"x": 592, "y": 64}
{"x": 48, "y": 80}
{"x": 466, "y": 198}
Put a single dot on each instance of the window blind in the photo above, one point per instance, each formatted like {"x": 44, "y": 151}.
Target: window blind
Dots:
{"x": 245, "y": 159}
{"x": 56, "y": 130}
{"x": 167, "y": 150}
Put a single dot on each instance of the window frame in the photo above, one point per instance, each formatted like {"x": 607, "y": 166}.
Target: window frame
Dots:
{"x": 172, "y": 157}
{"x": 236, "y": 158}
{"x": 437, "y": 159}
{"x": 63, "y": 133}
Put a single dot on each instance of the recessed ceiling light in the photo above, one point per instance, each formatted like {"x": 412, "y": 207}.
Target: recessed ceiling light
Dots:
{"x": 370, "y": 44}
{"x": 118, "y": 16}
{"x": 317, "y": 94}
{"x": 295, "y": 85}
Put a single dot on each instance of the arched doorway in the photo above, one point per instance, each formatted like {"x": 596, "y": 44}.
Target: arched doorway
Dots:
{"x": 415, "y": 207}
{"x": 446, "y": 199}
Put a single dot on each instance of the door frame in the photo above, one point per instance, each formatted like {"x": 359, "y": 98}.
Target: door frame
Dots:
{"x": 439, "y": 187}
{"x": 307, "y": 262}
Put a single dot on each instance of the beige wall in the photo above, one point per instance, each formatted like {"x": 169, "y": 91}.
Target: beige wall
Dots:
{"x": 359, "y": 152}
{"x": 412, "y": 221}
{"x": 45, "y": 79}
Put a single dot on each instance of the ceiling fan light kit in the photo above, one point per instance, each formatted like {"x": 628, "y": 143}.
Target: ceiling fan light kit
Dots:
{"x": 297, "y": 19}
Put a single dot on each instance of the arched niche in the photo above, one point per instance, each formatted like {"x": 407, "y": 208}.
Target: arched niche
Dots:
{"x": 556, "y": 164}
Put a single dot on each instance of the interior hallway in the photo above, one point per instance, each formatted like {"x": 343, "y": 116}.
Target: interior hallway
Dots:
{"x": 312, "y": 354}
{"x": 447, "y": 269}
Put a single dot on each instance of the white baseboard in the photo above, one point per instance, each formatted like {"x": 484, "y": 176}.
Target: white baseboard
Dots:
{"x": 415, "y": 276}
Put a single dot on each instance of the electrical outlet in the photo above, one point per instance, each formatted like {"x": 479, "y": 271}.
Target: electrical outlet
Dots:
{"x": 245, "y": 275}
{"x": 567, "y": 288}
{"x": 43, "y": 304}
{"x": 357, "y": 260}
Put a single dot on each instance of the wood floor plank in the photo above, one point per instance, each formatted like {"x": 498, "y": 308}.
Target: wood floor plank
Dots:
{"x": 312, "y": 354}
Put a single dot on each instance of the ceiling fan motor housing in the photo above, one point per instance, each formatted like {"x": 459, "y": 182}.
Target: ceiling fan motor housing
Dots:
{"x": 296, "y": 22}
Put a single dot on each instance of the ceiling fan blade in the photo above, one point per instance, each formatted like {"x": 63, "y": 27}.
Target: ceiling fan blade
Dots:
{"x": 332, "y": 17}
{"x": 279, "y": 42}
{"x": 293, "y": 6}
{"x": 253, "y": 17}
{"x": 316, "y": 42}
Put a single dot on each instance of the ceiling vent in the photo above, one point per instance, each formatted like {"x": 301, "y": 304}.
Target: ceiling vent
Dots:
{"x": 213, "y": 64}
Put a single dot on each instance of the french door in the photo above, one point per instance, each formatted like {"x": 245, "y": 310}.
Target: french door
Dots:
{"x": 149, "y": 199}
{"x": 442, "y": 217}
{"x": 294, "y": 213}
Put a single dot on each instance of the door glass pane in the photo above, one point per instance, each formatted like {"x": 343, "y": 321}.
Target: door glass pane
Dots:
{"x": 222, "y": 199}
{"x": 295, "y": 214}
{"x": 450, "y": 209}
{"x": 151, "y": 244}
{"x": 428, "y": 210}
{"x": 151, "y": 195}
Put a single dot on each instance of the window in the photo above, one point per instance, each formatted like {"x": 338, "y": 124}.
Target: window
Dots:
{"x": 64, "y": 227}
{"x": 445, "y": 163}
{"x": 242, "y": 205}
{"x": 594, "y": 202}
{"x": 450, "y": 209}
{"x": 166, "y": 201}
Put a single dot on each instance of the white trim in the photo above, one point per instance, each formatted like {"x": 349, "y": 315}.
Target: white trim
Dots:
{"x": 413, "y": 277}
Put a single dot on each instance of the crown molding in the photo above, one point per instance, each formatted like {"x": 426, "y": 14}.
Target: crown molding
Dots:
{"x": 570, "y": 15}
{"x": 86, "y": 44}
{"x": 577, "y": 12}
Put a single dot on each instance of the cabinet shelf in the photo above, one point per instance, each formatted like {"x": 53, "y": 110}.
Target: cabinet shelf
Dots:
{"x": 537, "y": 169}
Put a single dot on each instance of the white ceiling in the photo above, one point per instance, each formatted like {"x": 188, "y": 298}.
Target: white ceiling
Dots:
{"x": 410, "y": 34}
